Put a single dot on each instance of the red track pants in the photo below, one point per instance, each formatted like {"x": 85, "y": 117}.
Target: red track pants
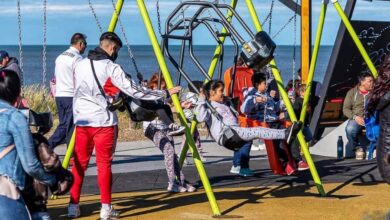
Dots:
{"x": 104, "y": 140}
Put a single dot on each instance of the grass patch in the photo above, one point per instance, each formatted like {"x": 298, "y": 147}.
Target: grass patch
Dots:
{"x": 40, "y": 100}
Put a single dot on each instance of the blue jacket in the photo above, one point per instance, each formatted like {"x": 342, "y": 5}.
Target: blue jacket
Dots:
{"x": 22, "y": 160}
{"x": 258, "y": 111}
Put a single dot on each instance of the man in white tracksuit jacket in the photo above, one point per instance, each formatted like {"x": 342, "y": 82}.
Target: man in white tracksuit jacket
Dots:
{"x": 64, "y": 73}
{"x": 95, "y": 124}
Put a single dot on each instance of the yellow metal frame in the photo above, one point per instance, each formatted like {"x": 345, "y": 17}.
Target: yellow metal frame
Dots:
{"x": 189, "y": 131}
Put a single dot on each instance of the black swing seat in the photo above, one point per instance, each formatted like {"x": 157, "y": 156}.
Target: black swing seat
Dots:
{"x": 231, "y": 140}
{"x": 137, "y": 112}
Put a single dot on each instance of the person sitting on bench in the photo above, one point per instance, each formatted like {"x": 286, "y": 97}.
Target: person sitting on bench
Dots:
{"x": 213, "y": 93}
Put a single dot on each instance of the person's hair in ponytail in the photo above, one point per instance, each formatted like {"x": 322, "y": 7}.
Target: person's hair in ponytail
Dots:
{"x": 212, "y": 85}
{"x": 9, "y": 86}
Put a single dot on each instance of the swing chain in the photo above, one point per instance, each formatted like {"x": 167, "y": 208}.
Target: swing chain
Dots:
{"x": 158, "y": 16}
{"x": 294, "y": 44}
{"x": 20, "y": 42}
{"x": 284, "y": 26}
{"x": 210, "y": 16}
{"x": 95, "y": 16}
{"x": 269, "y": 16}
{"x": 44, "y": 58}
{"x": 129, "y": 50}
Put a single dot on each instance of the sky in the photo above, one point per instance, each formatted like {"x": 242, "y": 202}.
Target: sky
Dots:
{"x": 65, "y": 17}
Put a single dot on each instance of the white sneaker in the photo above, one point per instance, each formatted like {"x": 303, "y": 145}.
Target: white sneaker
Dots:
{"x": 174, "y": 187}
{"x": 73, "y": 210}
{"x": 235, "y": 170}
{"x": 106, "y": 214}
{"x": 254, "y": 147}
{"x": 261, "y": 145}
{"x": 190, "y": 188}
{"x": 176, "y": 130}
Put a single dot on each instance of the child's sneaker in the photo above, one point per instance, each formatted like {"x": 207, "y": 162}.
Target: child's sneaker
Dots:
{"x": 106, "y": 214}
{"x": 302, "y": 165}
{"x": 235, "y": 170}
{"x": 360, "y": 154}
{"x": 190, "y": 188}
{"x": 174, "y": 187}
{"x": 246, "y": 172}
{"x": 73, "y": 210}
{"x": 176, "y": 130}
{"x": 202, "y": 158}
{"x": 292, "y": 131}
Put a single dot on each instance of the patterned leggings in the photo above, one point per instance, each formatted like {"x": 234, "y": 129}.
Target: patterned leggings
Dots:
{"x": 196, "y": 139}
{"x": 166, "y": 145}
{"x": 249, "y": 134}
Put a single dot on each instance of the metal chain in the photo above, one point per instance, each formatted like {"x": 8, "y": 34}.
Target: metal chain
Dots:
{"x": 210, "y": 16}
{"x": 95, "y": 16}
{"x": 44, "y": 43}
{"x": 284, "y": 26}
{"x": 294, "y": 44}
{"x": 158, "y": 16}
{"x": 129, "y": 50}
{"x": 20, "y": 42}
{"x": 269, "y": 16}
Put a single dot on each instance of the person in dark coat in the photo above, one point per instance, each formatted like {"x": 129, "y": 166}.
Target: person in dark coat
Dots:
{"x": 380, "y": 102}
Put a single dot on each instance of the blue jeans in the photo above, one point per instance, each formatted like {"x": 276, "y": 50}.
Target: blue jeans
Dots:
{"x": 64, "y": 131}
{"x": 353, "y": 130}
{"x": 241, "y": 157}
{"x": 13, "y": 209}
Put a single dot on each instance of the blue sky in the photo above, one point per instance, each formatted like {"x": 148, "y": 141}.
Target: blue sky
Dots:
{"x": 68, "y": 16}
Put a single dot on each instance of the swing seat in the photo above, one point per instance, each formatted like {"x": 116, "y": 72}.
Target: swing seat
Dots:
{"x": 274, "y": 159}
{"x": 231, "y": 140}
{"x": 138, "y": 113}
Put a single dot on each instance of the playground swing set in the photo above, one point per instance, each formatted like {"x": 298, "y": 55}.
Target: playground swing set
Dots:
{"x": 258, "y": 49}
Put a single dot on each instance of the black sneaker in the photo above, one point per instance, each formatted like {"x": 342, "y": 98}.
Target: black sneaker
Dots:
{"x": 292, "y": 131}
{"x": 176, "y": 130}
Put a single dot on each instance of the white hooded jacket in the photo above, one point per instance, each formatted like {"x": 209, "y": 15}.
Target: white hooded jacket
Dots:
{"x": 89, "y": 105}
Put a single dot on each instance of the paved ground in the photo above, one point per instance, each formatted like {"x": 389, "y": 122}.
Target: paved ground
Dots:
{"x": 354, "y": 188}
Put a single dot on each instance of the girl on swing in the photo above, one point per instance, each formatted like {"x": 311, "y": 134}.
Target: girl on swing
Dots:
{"x": 213, "y": 93}
{"x": 158, "y": 132}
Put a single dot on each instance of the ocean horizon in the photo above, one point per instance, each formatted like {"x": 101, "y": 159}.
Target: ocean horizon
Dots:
{"x": 147, "y": 63}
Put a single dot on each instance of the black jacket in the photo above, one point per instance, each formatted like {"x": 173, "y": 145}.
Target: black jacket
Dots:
{"x": 384, "y": 121}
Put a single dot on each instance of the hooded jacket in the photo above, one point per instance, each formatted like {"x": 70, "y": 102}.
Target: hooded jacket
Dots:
{"x": 354, "y": 103}
{"x": 13, "y": 65}
{"x": 89, "y": 104}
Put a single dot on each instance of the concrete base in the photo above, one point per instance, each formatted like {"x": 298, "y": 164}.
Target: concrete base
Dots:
{"x": 327, "y": 146}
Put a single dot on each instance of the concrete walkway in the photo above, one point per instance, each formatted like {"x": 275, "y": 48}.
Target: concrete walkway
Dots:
{"x": 354, "y": 189}
{"x": 144, "y": 156}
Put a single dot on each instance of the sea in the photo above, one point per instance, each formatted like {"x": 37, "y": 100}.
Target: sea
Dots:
{"x": 147, "y": 64}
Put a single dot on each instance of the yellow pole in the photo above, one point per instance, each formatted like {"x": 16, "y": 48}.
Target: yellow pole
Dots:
{"x": 288, "y": 104}
{"x": 115, "y": 14}
{"x": 69, "y": 151}
{"x": 313, "y": 62}
{"x": 355, "y": 38}
{"x": 176, "y": 103}
{"x": 211, "y": 70}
